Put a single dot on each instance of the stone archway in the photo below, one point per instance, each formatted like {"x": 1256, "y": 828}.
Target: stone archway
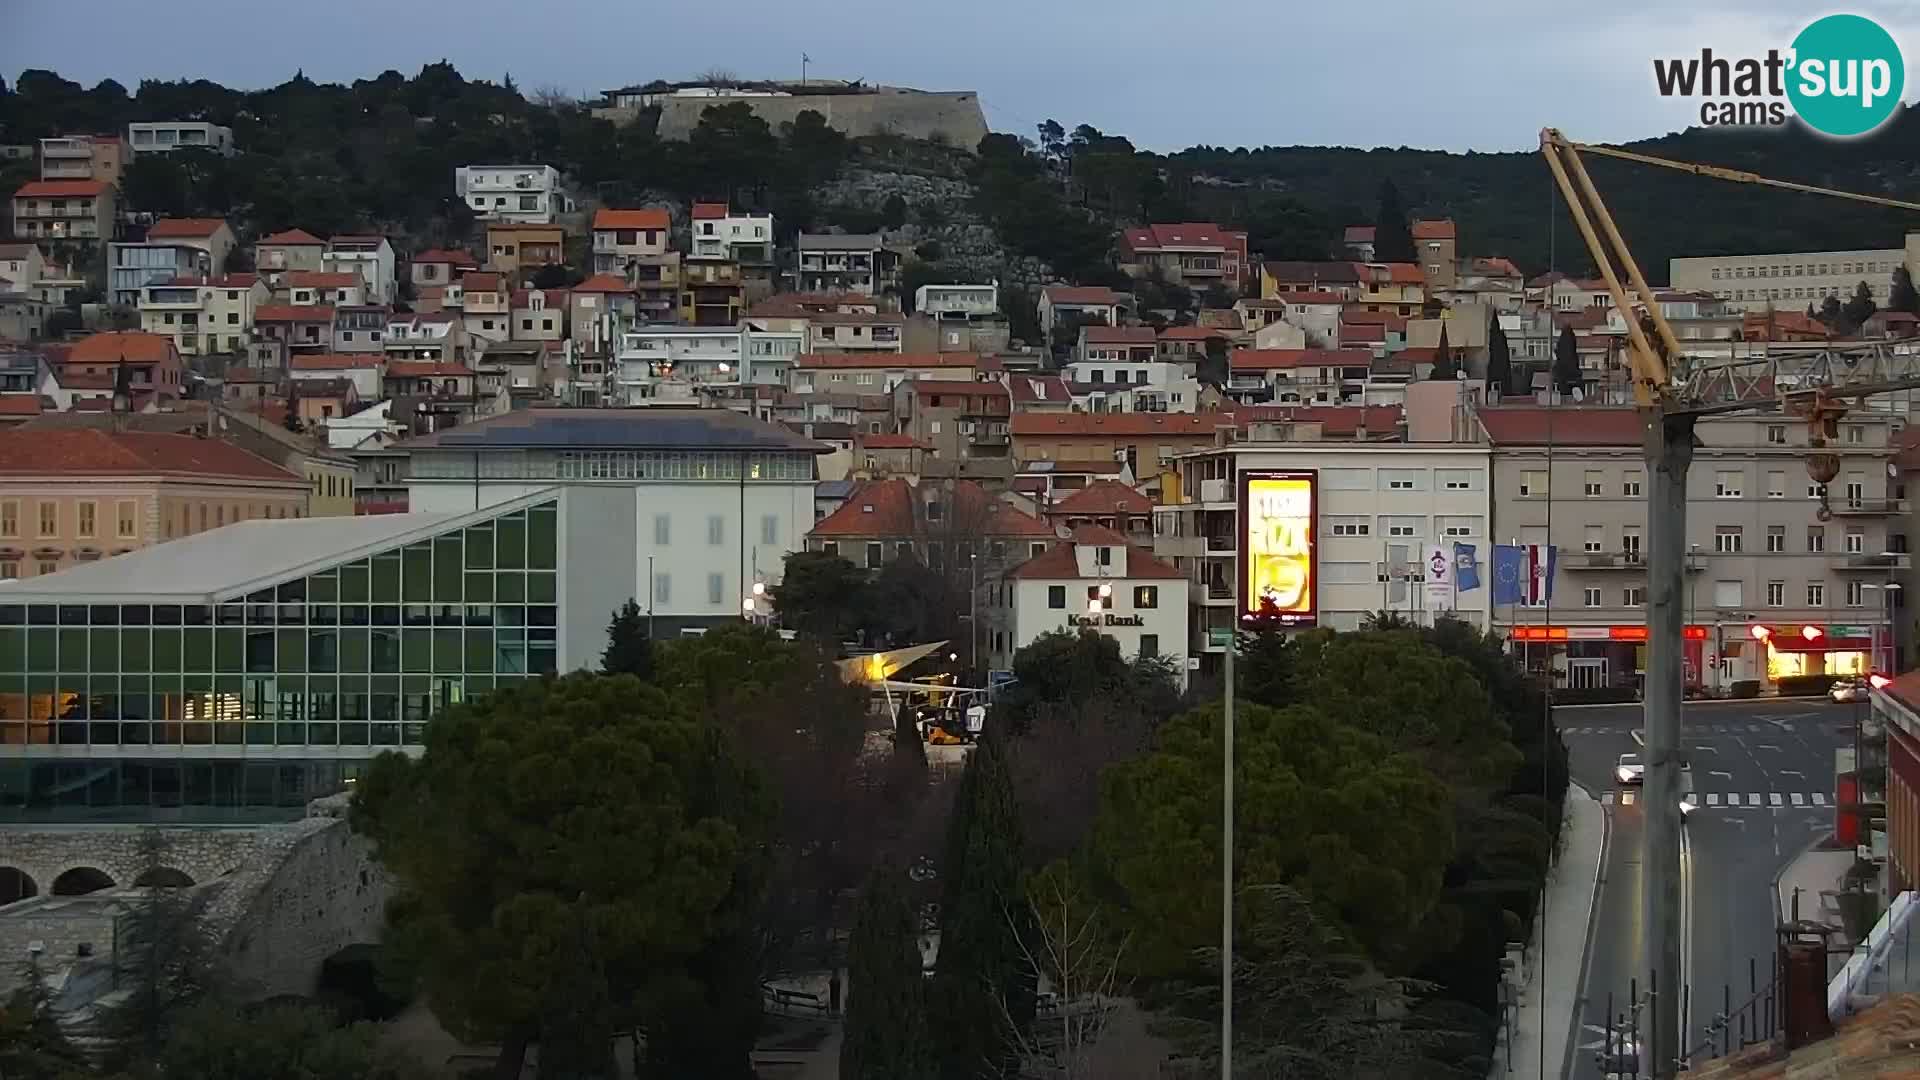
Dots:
{"x": 81, "y": 880}
{"x": 16, "y": 885}
{"x": 163, "y": 877}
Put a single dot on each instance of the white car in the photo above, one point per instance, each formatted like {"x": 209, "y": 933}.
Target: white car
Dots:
{"x": 1630, "y": 769}
{"x": 1850, "y": 690}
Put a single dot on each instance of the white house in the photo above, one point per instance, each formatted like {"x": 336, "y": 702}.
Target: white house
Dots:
{"x": 655, "y": 362}
{"x": 371, "y": 257}
{"x": 524, "y": 194}
{"x": 164, "y": 135}
{"x": 1151, "y": 386}
{"x": 1096, "y": 581}
{"x": 699, "y": 504}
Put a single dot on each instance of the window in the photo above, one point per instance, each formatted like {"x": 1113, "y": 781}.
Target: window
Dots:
{"x": 716, "y": 529}
{"x": 10, "y": 517}
{"x": 1816, "y": 538}
{"x": 1636, "y": 596}
{"x": 1149, "y": 645}
{"x": 769, "y": 528}
{"x": 1814, "y": 491}
{"x": 1726, "y": 485}
{"x": 1591, "y": 486}
{"x": 716, "y": 584}
{"x": 1146, "y": 596}
{"x": 1533, "y": 483}
{"x": 1776, "y": 594}
{"x": 1594, "y": 539}
{"x": 1777, "y": 434}
{"x": 1630, "y": 543}
{"x": 662, "y": 588}
{"x": 1777, "y": 484}
{"x": 1856, "y": 593}
{"x": 1816, "y": 594}
{"x": 1105, "y": 557}
{"x": 661, "y": 529}
{"x": 49, "y": 518}
{"x": 87, "y": 518}
{"x": 1856, "y": 491}
{"x": 9, "y": 570}
{"x": 1400, "y": 526}
{"x": 1630, "y": 484}
{"x": 1400, "y": 479}
{"x": 1349, "y": 526}
{"x": 875, "y": 555}
{"x": 1728, "y": 539}
{"x": 1459, "y": 525}
{"x": 1776, "y": 539}
{"x": 1727, "y": 594}
{"x": 1456, "y": 479}
{"x": 1856, "y": 540}
{"x": 1856, "y": 434}
{"x": 1590, "y": 596}
{"x": 1057, "y": 596}
{"x": 49, "y": 566}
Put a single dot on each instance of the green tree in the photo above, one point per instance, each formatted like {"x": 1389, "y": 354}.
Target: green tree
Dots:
{"x": 164, "y": 959}
{"x": 1860, "y": 308}
{"x": 573, "y": 840}
{"x": 886, "y": 1035}
{"x": 1361, "y": 830}
{"x": 1445, "y": 367}
{"x": 556, "y": 276}
{"x": 293, "y": 422}
{"x": 1903, "y": 297}
{"x": 985, "y": 991}
{"x": 1499, "y": 357}
{"x": 1061, "y": 670}
{"x": 156, "y": 184}
{"x": 275, "y": 1042}
{"x": 1213, "y": 367}
{"x": 1832, "y": 313}
{"x": 33, "y": 1046}
{"x": 629, "y": 650}
{"x": 820, "y": 595}
{"x": 1392, "y": 235}
{"x": 893, "y": 212}
{"x": 731, "y": 152}
{"x": 1287, "y": 229}
{"x": 1566, "y": 362}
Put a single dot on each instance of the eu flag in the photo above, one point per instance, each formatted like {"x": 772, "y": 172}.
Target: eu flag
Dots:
{"x": 1510, "y": 574}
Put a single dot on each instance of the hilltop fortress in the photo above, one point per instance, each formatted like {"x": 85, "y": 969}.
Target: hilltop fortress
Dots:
{"x": 953, "y": 117}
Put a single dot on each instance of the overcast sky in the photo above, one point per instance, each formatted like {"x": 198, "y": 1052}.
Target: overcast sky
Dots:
{"x": 1456, "y": 76}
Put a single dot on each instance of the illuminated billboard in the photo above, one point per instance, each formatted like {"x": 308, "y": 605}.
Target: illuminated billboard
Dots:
{"x": 1279, "y": 572}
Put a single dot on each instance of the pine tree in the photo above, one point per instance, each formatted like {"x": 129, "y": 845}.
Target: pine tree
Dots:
{"x": 163, "y": 958}
{"x": 1860, "y": 308}
{"x": 122, "y": 387}
{"x": 886, "y": 1035}
{"x": 1444, "y": 365}
{"x": 1499, "y": 357}
{"x": 1392, "y": 236}
{"x": 983, "y": 984}
{"x": 293, "y": 421}
{"x": 1566, "y": 362}
{"x": 628, "y": 651}
{"x": 1903, "y": 297}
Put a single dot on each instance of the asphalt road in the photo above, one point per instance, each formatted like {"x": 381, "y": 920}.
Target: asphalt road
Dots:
{"x": 1764, "y": 771}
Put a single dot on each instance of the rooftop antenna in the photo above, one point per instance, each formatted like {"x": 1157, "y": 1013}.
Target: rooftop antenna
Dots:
{"x": 804, "y": 60}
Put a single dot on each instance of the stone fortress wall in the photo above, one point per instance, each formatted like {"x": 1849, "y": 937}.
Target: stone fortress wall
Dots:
{"x": 954, "y": 117}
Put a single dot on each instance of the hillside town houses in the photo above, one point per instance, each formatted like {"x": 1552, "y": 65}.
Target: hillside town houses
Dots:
{"x": 1091, "y": 442}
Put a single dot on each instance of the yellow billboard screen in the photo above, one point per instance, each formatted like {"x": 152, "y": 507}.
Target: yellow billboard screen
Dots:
{"x": 1278, "y": 579}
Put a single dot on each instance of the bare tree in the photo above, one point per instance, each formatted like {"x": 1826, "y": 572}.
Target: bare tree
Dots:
{"x": 1071, "y": 952}
{"x": 553, "y": 96}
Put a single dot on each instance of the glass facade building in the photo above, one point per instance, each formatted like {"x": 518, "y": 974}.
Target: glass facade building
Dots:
{"x": 139, "y": 704}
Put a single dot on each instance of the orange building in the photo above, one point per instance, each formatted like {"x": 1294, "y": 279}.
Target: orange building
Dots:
{"x": 153, "y": 358}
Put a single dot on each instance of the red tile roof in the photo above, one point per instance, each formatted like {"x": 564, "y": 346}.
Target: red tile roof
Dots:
{"x": 1586, "y": 318}
{"x": 94, "y": 451}
{"x": 1185, "y": 234}
{"x": 892, "y": 442}
{"x": 886, "y": 508}
{"x": 1081, "y": 295}
{"x": 1311, "y": 296}
{"x": 426, "y": 369}
{"x": 1492, "y": 264}
{"x": 1287, "y": 359}
{"x": 1032, "y": 388}
{"x": 185, "y": 228}
{"x": 293, "y": 238}
{"x": 57, "y": 189}
{"x": 480, "y": 281}
{"x": 456, "y": 257}
{"x": 293, "y": 313}
{"x": 112, "y": 346}
{"x": 1118, "y": 335}
{"x": 707, "y": 211}
{"x": 1103, "y": 497}
{"x": 1433, "y": 229}
{"x": 606, "y": 218}
{"x": 886, "y": 360}
{"x": 1531, "y": 425}
{"x": 1398, "y": 273}
{"x": 1061, "y": 563}
{"x": 333, "y": 361}
{"x": 1336, "y": 420}
{"x": 1121, "y": 425}
{"x": 556, "y": 299}
{"x": 239, "y": 374}
{"x": 323, "y": 279}
{"x": 19, "y": 404}
{"x": 604, "y": 283}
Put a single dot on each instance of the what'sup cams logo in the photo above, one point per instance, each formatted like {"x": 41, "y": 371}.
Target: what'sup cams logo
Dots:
{"x": 1843, "y": 76}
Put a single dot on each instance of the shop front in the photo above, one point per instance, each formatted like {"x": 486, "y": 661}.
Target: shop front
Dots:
{"x": 1597, "y": 657}
{"x": 1783, "y": 652}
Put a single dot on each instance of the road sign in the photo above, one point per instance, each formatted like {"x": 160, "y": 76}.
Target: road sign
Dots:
{"x": 1847, "y": 631}
{"x": 1219, "y": 637}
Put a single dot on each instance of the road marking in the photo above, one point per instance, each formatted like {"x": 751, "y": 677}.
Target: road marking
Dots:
{"x": 1793, "y": 772}
{"x": 1713, "y": 799}
{"x": 1700, "y": 748}
{"x": 1753, "y": 799}
{"x": 1638, "y": 738}
{"x": 1768, "y": 746}
{"x": 1799, "y": 799}
{"x": 1626, "y": 798}
{"x": 1606, "y": 799}
{"x": 1819, "y": 799}
{"x": 1774, "y": 798}
{"x": 1720, "y": 772}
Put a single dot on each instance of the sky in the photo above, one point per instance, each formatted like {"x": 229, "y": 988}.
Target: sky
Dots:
{"x": 1484, "y": 76}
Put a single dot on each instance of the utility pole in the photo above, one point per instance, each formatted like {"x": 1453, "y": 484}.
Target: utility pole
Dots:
{"x": 1226, "y": 845}
{"x": 1668, "y": 447}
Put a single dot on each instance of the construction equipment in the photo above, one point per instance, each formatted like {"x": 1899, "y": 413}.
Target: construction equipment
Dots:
{"x": 1674, "y": 389}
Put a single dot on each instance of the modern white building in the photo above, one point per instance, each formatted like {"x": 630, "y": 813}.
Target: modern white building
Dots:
{"x": 1150, "y": 386}
{"x": 674, "y": 362}
{"x": 1378, "y": 509}
{"x": 161, "y": 136}
{"x": 371, "y": 257}
{"x": 1094, "y": 581}
{"x": 959, "y": 302}
{"x": 697, "y": 506}
{"x": 719, "y": 231}
{"x": 1792, "y": 280}
{"x": 524, "y": 194}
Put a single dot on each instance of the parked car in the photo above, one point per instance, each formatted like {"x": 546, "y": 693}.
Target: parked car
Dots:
{"x": 1850, "y": 690}
{"x": 1630, "y": 769}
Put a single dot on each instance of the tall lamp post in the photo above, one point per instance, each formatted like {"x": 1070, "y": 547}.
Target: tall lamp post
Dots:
{"x": 1890, "y": 594}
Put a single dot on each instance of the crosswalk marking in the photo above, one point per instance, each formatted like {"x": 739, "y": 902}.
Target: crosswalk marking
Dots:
{"x": 1774, "y": 798}
{"x": 1753, "y": 799}
{"x": 1731, "y": 799}
{"x": 1713, "y": 798}
{"x": 1799, "y": 799}
{"x": 1819, "y": 799}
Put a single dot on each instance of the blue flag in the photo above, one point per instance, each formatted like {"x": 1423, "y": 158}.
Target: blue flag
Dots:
{"x": 1466, "y": 568}
{"x": 1510, "y": 575}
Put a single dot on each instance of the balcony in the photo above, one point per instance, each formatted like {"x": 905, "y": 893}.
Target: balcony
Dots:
{"x": 1216, "y": 490}
{"x": 1864, "y": 507}
{"x": 1630, "y": 560}
{"x": 1179, "y": 547}
{"x": 1861, "y": 563}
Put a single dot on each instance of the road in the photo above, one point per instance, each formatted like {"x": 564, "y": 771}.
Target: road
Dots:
{"x": 1764, "y": 772}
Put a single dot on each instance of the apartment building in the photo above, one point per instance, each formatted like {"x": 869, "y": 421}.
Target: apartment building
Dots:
{"x": 203, "y": 316}
{"x": 83, "y": 157}
{"x": 1198, "y": 255}
{"x": 371, "y": 257}
{"x": 719, "y": 234}
{"x": 1134, "y": 386}
{"x": 285, "y": 251}
{"x": 847, "y": 332}
{"x": 955, "y": 419}
{"x": 516, "y": 246}
{"x": 1115, "y": 345}
{"x": 1376, "y": 512}
{"x": 1145, "y": 442}
{"x": 850, "y": 262}
{"x": 1762, "y": 568}
{"x": 131, "y": 267}
{"x": 525, "y": 194}
{"x": 877, "y": 373}
{"x": 438, "y": 267}
{"x": 623, "y": 237}
{"x": 164, "y": 136}
{"x": 1073, "y": 305}
{"x": 155, "y": 370}
{"x": 64, "y": 210}
{"x": 1794, "y": 279}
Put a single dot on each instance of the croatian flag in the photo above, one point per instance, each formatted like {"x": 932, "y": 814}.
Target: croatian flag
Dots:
{"x": 1523, "y": 573}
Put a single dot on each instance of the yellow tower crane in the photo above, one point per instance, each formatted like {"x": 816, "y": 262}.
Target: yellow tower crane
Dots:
{"x": 1815, "y": 382}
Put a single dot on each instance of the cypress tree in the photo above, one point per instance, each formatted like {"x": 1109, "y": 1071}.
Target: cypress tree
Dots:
{"x": 628, "y": 650}
{"x": 1444, "y": 367}
{"x": 984, "y": 984}
{"x": 886, "y": 1031}
{"x": 1566, "y": 362}
{"x": 1903, "y": 297}
{"x": 1499, "y": 357}
{"x": 1392, "y": 236}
